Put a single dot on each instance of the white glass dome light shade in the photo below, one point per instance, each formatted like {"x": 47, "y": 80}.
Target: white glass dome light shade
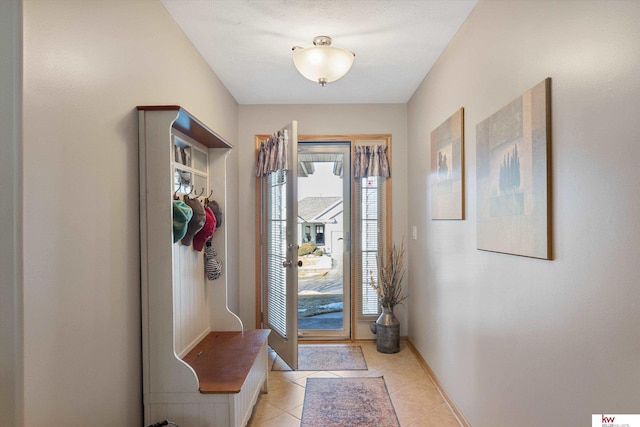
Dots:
{"x": 322, "y": 63}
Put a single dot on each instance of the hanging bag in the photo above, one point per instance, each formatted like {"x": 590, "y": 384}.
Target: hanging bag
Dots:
{"x": 212, "y": 267}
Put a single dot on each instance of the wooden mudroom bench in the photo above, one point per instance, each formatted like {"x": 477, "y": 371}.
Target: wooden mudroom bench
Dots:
{"x": 200, "y": 367}
{"x": 223, "y": 359}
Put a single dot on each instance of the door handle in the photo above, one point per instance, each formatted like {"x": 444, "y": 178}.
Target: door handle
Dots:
{"x": 288, "y": 263}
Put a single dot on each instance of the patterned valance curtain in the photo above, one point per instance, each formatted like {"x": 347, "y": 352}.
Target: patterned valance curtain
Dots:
{"x": 272, "y": 155}
{"x": 371, "y": 160}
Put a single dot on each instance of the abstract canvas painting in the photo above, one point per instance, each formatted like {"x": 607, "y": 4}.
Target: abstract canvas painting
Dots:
{"x": 513, "y": 179}
{"x": 447, "y": 168}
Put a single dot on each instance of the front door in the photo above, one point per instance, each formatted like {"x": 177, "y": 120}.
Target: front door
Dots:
{"x": 280, "y": 254}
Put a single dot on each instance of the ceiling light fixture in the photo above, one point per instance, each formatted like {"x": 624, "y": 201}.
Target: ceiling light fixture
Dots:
{"x": 322, "y": 63}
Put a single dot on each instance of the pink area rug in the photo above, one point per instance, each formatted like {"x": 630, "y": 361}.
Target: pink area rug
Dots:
{"x": 346, "y": 402}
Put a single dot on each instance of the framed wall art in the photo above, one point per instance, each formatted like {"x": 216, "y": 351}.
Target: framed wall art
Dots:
{"x": 513, "y": 176}
{"x": 447, "y": 168}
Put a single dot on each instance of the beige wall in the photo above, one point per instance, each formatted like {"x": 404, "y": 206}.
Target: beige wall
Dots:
{"x": 86, "y": 67}
{"x": 316, "y": 120}
{"x": 518, "y": 340}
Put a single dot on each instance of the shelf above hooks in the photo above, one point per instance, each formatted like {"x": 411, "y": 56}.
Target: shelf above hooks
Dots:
{"x": 189, "y": 125}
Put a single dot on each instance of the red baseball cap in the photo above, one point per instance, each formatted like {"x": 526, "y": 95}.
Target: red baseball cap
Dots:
{"x": 207, "y": 231}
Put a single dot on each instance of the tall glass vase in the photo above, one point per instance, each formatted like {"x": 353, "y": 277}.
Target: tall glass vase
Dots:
{"x": 387, "y": 329}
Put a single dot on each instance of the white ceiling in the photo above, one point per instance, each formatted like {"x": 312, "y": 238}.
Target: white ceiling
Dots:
{"x": 248, "y": 45}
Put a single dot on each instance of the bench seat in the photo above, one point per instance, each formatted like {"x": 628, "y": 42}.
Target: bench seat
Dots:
{"x": 223, "y": 359}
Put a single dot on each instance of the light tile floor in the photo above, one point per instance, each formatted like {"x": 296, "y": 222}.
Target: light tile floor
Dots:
{"x": 415, "y": 398}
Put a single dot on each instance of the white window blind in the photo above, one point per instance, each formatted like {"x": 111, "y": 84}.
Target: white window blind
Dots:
{"x": 369, "y": 241}
{"x": 276, "y": 240}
